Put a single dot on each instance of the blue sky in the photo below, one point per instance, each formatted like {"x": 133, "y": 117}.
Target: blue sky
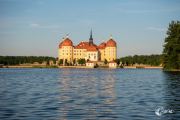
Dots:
{"x": 35, "y": 27}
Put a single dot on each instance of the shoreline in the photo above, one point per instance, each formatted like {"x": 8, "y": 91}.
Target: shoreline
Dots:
{"x": 143, "y": 67}
{"x": 84, "y": 67}
{"x": 171, "y": 70}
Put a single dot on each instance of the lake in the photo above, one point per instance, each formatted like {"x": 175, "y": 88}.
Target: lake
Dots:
{"x": 75, "y": 94}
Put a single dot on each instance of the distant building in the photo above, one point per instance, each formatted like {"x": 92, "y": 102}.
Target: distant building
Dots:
{"x": 51, "y": 62}
{"x": 87, "y": 50}
{"x": 36, "y": 63}
{"x": 112, "y": 64}
{"x": 44, "y": 63}
{"x": 90, "y": 64}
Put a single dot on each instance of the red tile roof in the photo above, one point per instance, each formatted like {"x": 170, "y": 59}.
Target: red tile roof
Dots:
{"x": 66, "y": 42}
{"x": 112, "y": 62}
{"x": 86, "y": 45}
{"x": 82, "y": 45}
{"x": 92, "y": 48}
{"x": 102, "y": 45}
{"x": 111, "y": 43}
{"x": 89, "y": 62}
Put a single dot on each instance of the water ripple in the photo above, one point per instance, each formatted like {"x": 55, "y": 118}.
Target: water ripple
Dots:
{"x": 74, "y": 94}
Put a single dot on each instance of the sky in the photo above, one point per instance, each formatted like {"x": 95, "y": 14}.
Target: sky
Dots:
{"x": 36, "y": 27}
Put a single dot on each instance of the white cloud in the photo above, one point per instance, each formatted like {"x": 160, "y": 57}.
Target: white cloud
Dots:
{"x": 36, "y": 25}
{"x": 153, "y": 10}
{"x": 156, "y": 29}
{"x": 146, "y": 10}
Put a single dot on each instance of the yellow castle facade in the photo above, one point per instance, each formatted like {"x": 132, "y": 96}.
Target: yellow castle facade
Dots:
{"x": 87, "y": 50}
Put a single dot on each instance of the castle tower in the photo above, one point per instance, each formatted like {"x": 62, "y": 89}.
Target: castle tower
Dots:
{"x": 111, "y": 50}
{"x": 66, "y": 50}
{"x": 91, "y": 38}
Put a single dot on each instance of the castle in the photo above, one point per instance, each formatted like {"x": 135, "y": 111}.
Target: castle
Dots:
{"x": 87, "y": 50}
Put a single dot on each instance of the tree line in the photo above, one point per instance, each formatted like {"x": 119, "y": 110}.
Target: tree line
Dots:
{"x": 16, "y": 60}
{"x": 153, "y": 60}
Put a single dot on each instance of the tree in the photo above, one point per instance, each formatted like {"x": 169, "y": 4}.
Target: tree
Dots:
{"x": 105, "y": 61}
{"x": 171, "y": 52}
{"x": 66, "y": 62}
{"x": 117, "y": 61}
{"x": 60, "y": 61}
{"x": 81, "y": 61}
{"x": 74, "y": 61}
{"x": 16, "y": 60}
{"x": 154, "y": 60}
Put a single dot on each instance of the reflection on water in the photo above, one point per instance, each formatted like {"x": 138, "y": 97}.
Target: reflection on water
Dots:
{"x": 87, "y": 95}
{"x": 69, "y": 94}
{"x": 172, "y": 93}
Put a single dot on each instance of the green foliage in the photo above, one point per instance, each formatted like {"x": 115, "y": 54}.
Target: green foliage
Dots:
{"x": 117, "y": 61}
{"x": 154, "y": 60}
{"x": 74, "y": 61}
{"x": 81, "y": 61}
{"x": 171, "y": 52}
{"x": 105, "y": 61}
{"x": 60, "y": 61}
{"x": 66, "y": 63}
{"x": 16, "y": 60}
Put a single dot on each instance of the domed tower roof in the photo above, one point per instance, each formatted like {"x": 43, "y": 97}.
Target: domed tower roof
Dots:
{"x": 66, "y": 42}
{"x": 111, "y": 42}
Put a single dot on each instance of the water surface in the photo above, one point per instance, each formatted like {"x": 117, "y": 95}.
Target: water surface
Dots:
{"x": 69, "y": 94}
